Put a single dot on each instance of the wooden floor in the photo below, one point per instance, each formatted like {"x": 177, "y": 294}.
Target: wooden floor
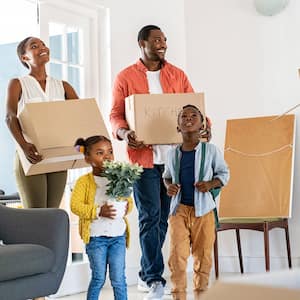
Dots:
{"x": 133, "y": 293}
{"x": 289, "y": 279}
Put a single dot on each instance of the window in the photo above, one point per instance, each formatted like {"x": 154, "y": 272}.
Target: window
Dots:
{"x": 10, "y": 67}
{"x": 67, "y": 55}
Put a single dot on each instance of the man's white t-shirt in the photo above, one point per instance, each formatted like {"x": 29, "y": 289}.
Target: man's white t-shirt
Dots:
{"x": 159, "y": 151}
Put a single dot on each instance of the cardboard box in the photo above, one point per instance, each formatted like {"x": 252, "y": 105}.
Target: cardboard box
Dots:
{"x": 260, "y": 154}
{"x": 53, "y": 128}
{"x": 153, "y": 117}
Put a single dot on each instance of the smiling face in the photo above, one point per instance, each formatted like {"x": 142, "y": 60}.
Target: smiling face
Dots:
{"x": 155, "y": 47}
{"x": 190, "y": 120}
{"x": 97, "y": 154}
{"x": 35, "y": 52}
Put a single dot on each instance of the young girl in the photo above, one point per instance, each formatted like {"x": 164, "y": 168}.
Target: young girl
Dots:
{"x": 105, "y": 236}
{"x": 191, "y": 221}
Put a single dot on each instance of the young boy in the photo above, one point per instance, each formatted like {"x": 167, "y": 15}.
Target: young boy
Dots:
{"x": 192, "y": 221}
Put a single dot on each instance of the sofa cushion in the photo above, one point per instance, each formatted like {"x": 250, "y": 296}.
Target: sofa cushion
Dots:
{"x": 20, "y": 260}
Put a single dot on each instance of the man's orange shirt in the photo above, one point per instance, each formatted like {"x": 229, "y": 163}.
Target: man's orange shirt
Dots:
{"x": 133, "y": 80}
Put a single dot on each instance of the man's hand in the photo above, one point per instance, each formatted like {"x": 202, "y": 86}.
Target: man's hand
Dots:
{"x": 130, "y": 138}
{"x": 206, "y": 133}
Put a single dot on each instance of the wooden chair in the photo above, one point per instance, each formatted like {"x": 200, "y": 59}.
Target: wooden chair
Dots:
{"x": 264, "y": 225}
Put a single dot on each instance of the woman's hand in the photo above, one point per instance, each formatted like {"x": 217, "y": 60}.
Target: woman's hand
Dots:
{"x": 31, "y": 153}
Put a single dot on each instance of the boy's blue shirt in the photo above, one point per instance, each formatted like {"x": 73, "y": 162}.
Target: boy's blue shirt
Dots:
{"x": 214, "y": 167}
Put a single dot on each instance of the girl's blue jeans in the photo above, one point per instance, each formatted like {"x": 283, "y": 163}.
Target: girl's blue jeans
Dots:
{"x": 105, "y": 251}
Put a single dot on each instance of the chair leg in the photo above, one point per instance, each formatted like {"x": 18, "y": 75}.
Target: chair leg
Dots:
{"x": 238, "y": 240}
{"x": 267, "y": 247}
{"x": 216, "y": 255}
{"x": 288, "y": 247}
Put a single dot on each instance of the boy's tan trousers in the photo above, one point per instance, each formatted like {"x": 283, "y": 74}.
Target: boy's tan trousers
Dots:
{"x": 190, "y": 234}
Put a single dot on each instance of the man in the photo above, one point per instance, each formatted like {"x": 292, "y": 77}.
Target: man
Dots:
{"x": 150, "y": 74}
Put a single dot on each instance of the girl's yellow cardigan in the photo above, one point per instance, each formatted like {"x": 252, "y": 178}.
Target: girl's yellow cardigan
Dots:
{"x": 83, "y": 205}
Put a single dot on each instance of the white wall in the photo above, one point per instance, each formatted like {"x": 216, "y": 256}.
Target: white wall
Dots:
{"x": 247, "y": 65}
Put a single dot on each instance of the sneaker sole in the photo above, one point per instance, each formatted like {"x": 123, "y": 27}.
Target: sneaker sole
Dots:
{"x": 146, "y": 290}
{"x": 143, "y": 289}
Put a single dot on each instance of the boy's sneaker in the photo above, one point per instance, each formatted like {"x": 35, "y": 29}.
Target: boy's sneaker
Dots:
{"x": 167, "y": 290}
{"x": 156, "y": 291}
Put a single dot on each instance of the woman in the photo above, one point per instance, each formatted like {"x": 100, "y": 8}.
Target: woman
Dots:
{"x": 43, "y": 190}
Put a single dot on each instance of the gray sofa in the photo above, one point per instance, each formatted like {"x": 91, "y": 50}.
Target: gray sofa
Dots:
{"x": 33, "y": 251}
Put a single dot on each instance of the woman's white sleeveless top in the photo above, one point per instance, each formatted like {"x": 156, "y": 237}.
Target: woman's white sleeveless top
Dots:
{"x": 33, "y": 92}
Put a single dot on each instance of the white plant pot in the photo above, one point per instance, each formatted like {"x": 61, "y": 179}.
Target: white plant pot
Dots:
{"x": 119, "y": 206}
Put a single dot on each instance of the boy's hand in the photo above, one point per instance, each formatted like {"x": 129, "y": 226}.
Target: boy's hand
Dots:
{"x": 107, "y": 211}
{"x": 203, "y": 186}
{"x": 173, "y": 189}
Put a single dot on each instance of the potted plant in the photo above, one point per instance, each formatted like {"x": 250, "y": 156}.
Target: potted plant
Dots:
{"x": 121, "y": 177}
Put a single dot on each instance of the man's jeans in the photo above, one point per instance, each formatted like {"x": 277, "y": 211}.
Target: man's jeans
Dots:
{"x": 103, "y": 251}
{"x": 153, "y": 207}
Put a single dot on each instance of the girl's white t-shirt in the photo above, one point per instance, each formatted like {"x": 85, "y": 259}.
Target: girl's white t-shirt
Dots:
{"x": 105, "y": 226}
{"x": 159, "y": 151}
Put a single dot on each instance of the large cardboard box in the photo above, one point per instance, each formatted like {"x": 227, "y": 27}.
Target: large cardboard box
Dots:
{"x": 153, "y": 117}
{"x": 53, "y": 127}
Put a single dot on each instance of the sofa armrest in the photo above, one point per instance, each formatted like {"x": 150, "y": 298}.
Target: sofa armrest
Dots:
{"x": 48, "y": 227}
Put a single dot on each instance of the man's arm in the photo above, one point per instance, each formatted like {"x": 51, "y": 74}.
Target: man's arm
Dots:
{"x": 118, "y": 121}
{"x": 117, "y": 114}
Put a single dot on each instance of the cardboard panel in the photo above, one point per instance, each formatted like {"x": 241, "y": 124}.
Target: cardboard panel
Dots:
{"x": 260, "y": 155}
{"x": 153, "y": 117}
{"x": 53, "y": 127}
